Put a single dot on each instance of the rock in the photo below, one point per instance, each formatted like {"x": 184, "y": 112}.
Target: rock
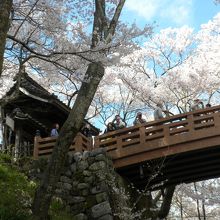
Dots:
{"x": 87, "y": 173}
{"x": 78, "y": 208}
{"x": 101, "y": 176}
{"x": 97, "y": 166}
{"x": 80, "y": 216}
{"x": 106, "y": 217}
{"x": 100, "y": 209}
{"x": 83, "y": 186}
{"x": 75, "y": 184}
{"x": 102, "y": 187}
{"x": 68, "y": 173}
{"x": 97, "y": 151}
{"x": 74, "y": 192}
{"x": 65, "y": 179}
{"x": 100, "y": 157}
{"x": 85, "y": 155}
{"x": 89, "y": 179}
{"x": 85, "y": 192}
{"x": 70, "y": 158}
{"x": 77, "y": 199}
{"x": 101, "y": 197}
{"x": 67, "y": 186}
{"x": 91, "y": 160}
{"x": 58, "y": 191}
{"x": 90, "y": 201}
{"x": 82, "y": 165}
{"x": 77, "y": 156}
{"x": 73, "y": 168}
{"x": 59, "y": 185}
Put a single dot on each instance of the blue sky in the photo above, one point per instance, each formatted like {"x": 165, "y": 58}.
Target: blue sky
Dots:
{"x": 170, "y": 13}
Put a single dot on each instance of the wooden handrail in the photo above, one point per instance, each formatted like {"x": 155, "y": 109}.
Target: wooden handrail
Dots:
{"x": 44, "y": 146}
{"x": 158, "y": 134}
{"x": 152, "y": 135}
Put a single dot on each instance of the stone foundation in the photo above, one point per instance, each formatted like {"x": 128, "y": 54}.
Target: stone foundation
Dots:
{"x": 92, "y": 190}
{"x": 84, "y": 186}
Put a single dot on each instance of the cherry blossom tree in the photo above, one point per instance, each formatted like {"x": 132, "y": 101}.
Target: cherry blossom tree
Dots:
{"x": 174, "y": 67}
{"x": 196, "y": 200}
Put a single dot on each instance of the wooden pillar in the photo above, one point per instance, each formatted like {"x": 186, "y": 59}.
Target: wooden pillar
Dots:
{"x": 78, "y": 143}
{"x": 4, "y": 131}
{"x": 166, "y": 133}
{"x": 36, "y": 147}
{"x": 96, "y": 142}
{"x": 191, "y": 124}
{"x": 216, "y": 117}
{"x": 142, "y": 131}
{"x": 18, "y": 133}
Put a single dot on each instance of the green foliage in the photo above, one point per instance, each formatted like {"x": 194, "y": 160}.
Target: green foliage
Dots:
{"x": 16, "y": 192}
{"x": 58, "y": 211}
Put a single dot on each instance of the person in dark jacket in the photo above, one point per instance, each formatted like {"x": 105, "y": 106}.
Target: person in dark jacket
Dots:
{"x": 139, "y": 119}
{"x": 110, "y": 127}
{"x": 86, "y": 130}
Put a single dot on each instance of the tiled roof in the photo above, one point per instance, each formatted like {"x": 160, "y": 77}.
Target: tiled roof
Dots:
{"x": 19, "y": 115}
{"x": 34, "y": 88}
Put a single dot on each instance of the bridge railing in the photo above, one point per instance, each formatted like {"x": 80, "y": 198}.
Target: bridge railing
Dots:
{"x": 44, "y": 146}
{"x": 145, "y": 137}
{"x": 160, "y": 133}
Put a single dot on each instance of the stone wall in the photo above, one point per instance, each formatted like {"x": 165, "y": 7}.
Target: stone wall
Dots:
{"x": 91, "y": 189}
{"x": 87, "y": 186}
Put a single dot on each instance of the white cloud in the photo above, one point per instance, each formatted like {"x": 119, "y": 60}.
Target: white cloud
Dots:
{"x": 175, "y": 11}
{"x": 179, "y": 11}
{"x": 146, "y": 9}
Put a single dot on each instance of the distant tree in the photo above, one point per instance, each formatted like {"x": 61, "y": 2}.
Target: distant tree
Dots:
{"x": 5, "y": 10}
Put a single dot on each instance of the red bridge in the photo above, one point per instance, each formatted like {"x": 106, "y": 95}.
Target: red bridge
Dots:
{"x": 179, "y": 149}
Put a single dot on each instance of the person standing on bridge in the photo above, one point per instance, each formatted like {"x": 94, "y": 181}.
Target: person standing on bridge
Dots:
{"x": 197, "y": 104}
{"x": 118, "y": 122}
{"x": 110, "y": 127}
{"x": 54, "y": 132}
{"x": 139, "y": 119}
{"x": 158, "y": 112}
{"x": 86, "y": 130}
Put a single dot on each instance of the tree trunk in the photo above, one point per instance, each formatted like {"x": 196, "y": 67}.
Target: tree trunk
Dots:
{"x": 197, "y": 202}
{"x": 203, "y": 209}
{"x": 165, "y": 207}
{"x": 69, "y": 130}
{"x": 5, "y": 9}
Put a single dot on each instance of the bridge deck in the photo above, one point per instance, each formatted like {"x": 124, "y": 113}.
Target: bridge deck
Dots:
{"x": 181, "y": 148}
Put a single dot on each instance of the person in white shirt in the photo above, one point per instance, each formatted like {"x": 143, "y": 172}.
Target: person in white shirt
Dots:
{"x": 118, "y": 123}
{"x": 197, "y": 104}
{"x": 158, "y": 112}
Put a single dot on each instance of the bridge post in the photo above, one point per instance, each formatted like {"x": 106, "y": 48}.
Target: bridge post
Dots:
{"x": 217, "y": 119}
{"x": 36, "y": 146}
{"x": 142, "y": 130}
{"x": 190, "y": 120}
{"x": 166, "y": 133}
{"x": 78, "y": 143}
{"x": 119, "y": 145}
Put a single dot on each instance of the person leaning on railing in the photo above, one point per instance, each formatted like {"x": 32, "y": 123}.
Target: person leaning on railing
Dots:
{"x": 54, "y": 132}
{"x": 139, "y": 119}
{"x": 110, "y": 127}
{"x": 86, "y": 130}
{"x": 197, "y": 104}
{"x": 159, "y": 113}
{"x": 118, "y": 122}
